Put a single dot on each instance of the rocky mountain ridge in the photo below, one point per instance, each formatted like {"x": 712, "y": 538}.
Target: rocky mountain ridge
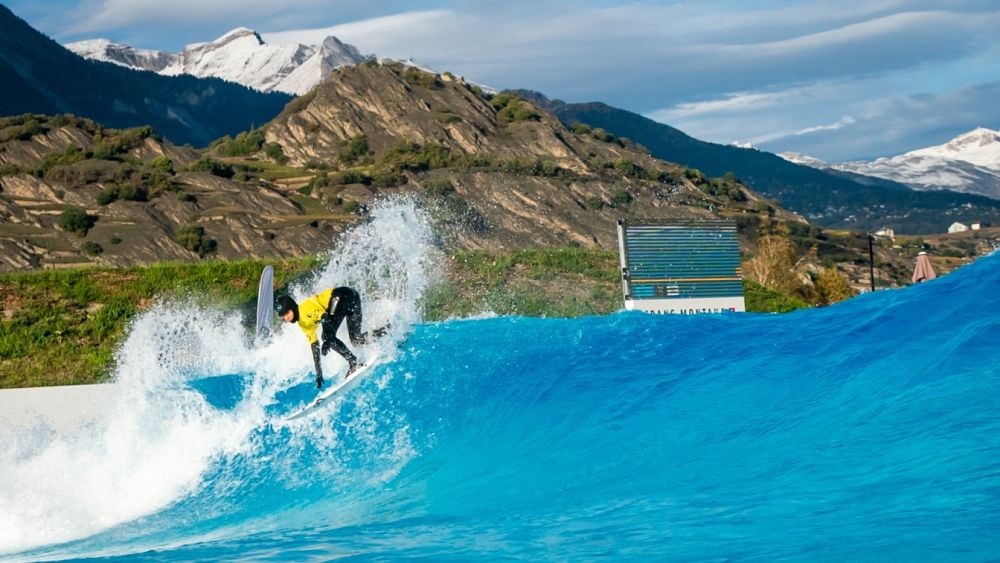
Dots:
{"x": 240, "y": 56}
{"x": 495, "y": 171}
{"x": 831, "y": 198}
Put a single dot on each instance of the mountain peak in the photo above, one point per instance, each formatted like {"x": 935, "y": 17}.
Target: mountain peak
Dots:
{"x": 240, "y": 55}
{"x": 968, "y": 163}
{"x": 980, "y": 147}
{"x": 239, "y": 33}
{"x": 980, "y": 136}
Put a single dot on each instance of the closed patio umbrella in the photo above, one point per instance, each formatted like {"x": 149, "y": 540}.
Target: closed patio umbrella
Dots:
{"x": 923, "y": 271}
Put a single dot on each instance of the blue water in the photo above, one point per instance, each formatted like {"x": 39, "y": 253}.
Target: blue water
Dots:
{"x": 867, "y": 430}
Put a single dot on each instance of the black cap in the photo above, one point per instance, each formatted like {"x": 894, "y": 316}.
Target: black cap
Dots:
{"x": 284, "y": 304}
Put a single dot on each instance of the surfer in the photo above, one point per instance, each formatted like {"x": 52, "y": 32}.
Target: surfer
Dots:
{"x": 328, "y": 309}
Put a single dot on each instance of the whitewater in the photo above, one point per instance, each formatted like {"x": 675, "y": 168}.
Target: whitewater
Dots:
{"x": 865, "y": 430}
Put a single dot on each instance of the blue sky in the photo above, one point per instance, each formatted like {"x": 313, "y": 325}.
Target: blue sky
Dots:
{"x": 835, "y": 80}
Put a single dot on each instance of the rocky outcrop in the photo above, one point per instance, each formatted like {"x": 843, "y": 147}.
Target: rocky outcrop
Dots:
{"x": 389, "y": 103}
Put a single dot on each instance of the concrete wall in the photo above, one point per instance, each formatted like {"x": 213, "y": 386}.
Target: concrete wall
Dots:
{"x": 61, "y": 408}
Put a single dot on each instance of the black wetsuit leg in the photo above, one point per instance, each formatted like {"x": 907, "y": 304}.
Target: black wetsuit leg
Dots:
{"x": 348, "y": 306}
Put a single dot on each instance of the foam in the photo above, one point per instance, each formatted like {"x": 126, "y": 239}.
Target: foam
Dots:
{"x": 160, "y": 437}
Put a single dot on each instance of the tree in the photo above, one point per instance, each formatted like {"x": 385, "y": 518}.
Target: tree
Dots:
{"x": 832, "y": 286}
{"x": 76, "y": 220}
{"x": 774, "y": 264}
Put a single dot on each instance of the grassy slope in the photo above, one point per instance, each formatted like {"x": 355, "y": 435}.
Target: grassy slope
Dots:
{"x": 62, "y": 327}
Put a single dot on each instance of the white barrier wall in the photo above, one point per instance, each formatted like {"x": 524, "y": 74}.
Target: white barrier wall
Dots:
{"x": 63, "y": 409}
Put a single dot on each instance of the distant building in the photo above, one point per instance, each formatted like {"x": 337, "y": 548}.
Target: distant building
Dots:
{"x": 886, "y": 232}
{"x": 957, "y": 228}
{"x": 976, "y": 226}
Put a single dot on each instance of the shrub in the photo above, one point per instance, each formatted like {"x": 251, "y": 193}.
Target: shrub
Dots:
{"x": 549, "y": 169}
{"x": 275, "y": 152}
{"x": 112, "y": 144}
{"x": 71, "y": 155}
{"x": 115, "y": 192}
{"x": 116, "y": 240}
{"x": 511, "y": 107}
{"x": 519, "y": 111}
{"x": 764, "y": 206}
{"x": 185, "y": 197}
{"x": 657, "y": 175}
{"x": 245, "y": 144}
{"x": 407, "y": 155}
{"x": 352, "y": 207}
{"x": 76, "y": 220}
{"x": 620, "y": 198}
{"x": 350, "y": 177}
{"x": 157, "y": 182}
{"x": 695, "y": 176}
{"x": 418, "y": 77}
{"x": 92, "y": 248}
{"x": 726, "y": 189}
{"x": 212, "y": 166}
{"x": 353, "y": 149}
{"x": 163, "y": 164}
{"x": 629, "y": 168}
{"x": 387, "y": 177}
{"x": 602, "y": 135}
{"x": 65, "y": 119}
{"x": 580, "y": 128}
{"x": 193, "y": 238}
{"x": 440, "y": 188}
{"x": 832, "y": 286}
{"x": 595, "y": 202}
{"x": 30, "y": 128}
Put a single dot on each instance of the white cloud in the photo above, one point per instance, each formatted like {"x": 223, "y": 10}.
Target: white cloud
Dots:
{"x": 771, "y": 74}
{"x": 368, "y": 32}
{"x": 840, "y": 124}
{"x": 741, "y": 101}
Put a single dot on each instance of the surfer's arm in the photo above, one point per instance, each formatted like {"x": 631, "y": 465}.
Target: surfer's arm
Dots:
{"x": 319, "y": 368}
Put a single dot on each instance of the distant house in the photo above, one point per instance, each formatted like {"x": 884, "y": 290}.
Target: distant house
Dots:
{"x": 976, "y": 226}
{"x": 957, "y": 228}
{"x": 886, "y": 232}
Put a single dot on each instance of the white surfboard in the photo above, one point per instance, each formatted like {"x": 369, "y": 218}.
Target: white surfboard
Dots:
{"x": 265, "y": 305}
{"x": 327, "y": 396}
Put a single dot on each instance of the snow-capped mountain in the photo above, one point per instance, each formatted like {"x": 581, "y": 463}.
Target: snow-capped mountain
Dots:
{"x": 239, "y": 56}
{"x": 104, "y": 50}
{"x": 969, "y": 163}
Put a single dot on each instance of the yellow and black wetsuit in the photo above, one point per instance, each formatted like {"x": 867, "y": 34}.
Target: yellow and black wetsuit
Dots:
{"x": 328, "y": 309}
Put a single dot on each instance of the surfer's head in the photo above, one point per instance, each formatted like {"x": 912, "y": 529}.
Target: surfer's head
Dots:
{"x": 287, "y": 309}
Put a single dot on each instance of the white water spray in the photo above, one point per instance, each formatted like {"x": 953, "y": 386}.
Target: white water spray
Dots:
{"x": 154, "y": 446}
